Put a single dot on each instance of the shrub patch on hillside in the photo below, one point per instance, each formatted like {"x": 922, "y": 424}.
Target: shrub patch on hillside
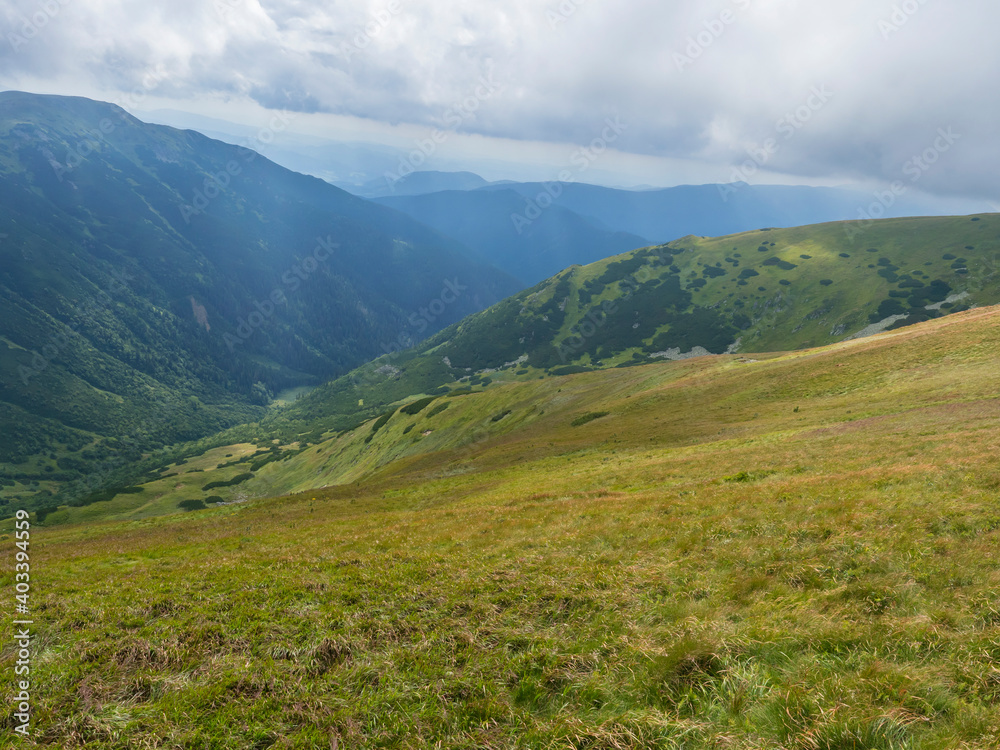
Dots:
{"x": 589, "y": 417}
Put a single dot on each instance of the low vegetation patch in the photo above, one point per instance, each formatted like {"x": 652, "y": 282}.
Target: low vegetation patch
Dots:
{"x": 418, "y": 406}
{"x": 437, "y": 410}
{"x": 189, "y": 505}
{"x": 749, "y": 476}
{"x": 238, "y": 479}
{"x": 588, "y": 417}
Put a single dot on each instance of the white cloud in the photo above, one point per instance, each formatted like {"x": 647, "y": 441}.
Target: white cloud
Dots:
{"x": 896, "y": 76}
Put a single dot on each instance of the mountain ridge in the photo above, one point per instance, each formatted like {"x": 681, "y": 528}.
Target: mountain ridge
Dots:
{"x": 533, "y": 252}
{"x": 144, "y": 265}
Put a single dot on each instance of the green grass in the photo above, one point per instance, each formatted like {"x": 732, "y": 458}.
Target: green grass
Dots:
{"x": 707, "y": 569}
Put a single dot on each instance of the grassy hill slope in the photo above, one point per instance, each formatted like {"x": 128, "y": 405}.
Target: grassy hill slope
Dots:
{"x": 794, "y": 551}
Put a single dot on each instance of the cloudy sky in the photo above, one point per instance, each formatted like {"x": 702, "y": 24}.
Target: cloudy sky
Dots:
{"x": 806, "y": 91}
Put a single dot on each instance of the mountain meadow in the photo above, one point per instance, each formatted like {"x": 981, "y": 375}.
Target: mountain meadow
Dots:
{"x": 783, "y": 550}
{"x": 423, "y": 375}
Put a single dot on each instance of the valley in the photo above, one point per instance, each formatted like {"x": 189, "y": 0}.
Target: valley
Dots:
{"x": 761, "y": 291}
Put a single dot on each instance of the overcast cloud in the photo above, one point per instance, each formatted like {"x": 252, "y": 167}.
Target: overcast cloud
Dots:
{"x": 869, "y": 84}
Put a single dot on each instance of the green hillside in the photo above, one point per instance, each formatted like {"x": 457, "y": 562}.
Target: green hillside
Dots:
{"x": 694, "y": 296}
{"x": 786, "y": 551}
{"x": 759, "y": 291}
{"x": 157, "y": 286}
{"x": 752, "y": 292}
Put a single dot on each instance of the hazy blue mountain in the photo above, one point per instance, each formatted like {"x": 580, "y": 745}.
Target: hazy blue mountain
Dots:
{"x": 159, "y": 284}
{"x": 707, "y": 210}
{"x": 534, "y": 230}
{"x": 419, "y": 183}
{"x": 346, "y": 164}
{"x": 531, "y": 251}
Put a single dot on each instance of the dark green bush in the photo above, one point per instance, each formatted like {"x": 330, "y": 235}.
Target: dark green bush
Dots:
{"x": 258, "y": 465}
{"x": 189, "y": 505}
{"x": 418, "y": 406}
{"x": 570, "y": 370}
{"x": 437, "y": 410}
{"x": 238, "y": 479}
{"x": 784, "y": 265}
{"x": 888, "y": 308}
{"x": 42, "y": 513}
{"x": 382, "y": 421}
{"x": 589, "y": 417}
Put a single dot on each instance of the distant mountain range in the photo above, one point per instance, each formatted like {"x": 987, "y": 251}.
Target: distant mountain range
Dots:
{"x": 421, "y": 183}
{"x": 704, "y": 210}
{"x": 534, "y": 230}
{"x": 559, "y": 238}
{"x": 160, "y": 285}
